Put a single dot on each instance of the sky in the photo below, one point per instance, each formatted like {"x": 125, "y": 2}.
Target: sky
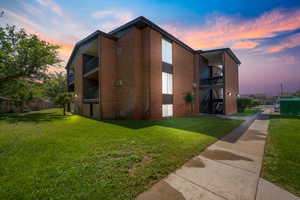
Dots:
{"x": 264, "y": 34}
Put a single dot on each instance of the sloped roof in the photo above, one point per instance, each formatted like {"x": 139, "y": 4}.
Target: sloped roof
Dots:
{"x": 87, "y": 39}
{"x": 142, "y": 22}
{"x": 227, "y": 50}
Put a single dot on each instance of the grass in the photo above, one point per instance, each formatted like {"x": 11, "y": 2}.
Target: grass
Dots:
{"x": 45, "y": 155}
{"x": 282, "y": 157}
{"x": 246, "y": 112}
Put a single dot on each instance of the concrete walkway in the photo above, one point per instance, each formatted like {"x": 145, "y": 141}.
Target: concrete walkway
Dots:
{"x": 228, "y": 169}
{"x": 269, "y": 191}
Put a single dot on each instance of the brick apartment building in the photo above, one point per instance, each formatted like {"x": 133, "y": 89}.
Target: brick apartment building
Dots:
{"x": 140, "y": 71}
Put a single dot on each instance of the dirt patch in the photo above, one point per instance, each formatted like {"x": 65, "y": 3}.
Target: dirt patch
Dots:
{"x": 195, "y": 162}
{"x": 223, "y": 155}
{"x": 146, "y": 159}
{"x": 161, "y": 190}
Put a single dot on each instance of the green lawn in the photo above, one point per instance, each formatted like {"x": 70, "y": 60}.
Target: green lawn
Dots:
{"x": 247, "y": 112}
{"x": 48, "y": 156}
{"x": 282, "y": 157}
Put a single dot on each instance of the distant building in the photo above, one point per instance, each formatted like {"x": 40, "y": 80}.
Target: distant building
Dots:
{"x": 262, "y": 98}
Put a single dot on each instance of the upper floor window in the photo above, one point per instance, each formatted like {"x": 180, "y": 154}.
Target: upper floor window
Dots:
{"x": 167, "y": 83}
{"x": 166, "y": 51}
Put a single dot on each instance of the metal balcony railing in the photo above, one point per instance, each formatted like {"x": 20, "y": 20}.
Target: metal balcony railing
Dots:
{"x": 91, "y": 93}
{"x": 90, "y": 64}
{"x": 212, "y": 81}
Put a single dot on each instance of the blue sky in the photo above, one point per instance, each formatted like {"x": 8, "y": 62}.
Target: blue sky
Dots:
{"x": 265, "y": 35}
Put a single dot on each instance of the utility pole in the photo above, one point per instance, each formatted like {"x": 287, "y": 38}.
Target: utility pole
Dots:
{"x": 281, "y": 89}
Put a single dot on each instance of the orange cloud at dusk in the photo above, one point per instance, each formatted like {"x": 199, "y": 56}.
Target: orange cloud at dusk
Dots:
{"x": 289, "y": 42}
{"x": 226, "y": 31}
{"x": 262, "y": 40}
{"x": 244, "y": 45}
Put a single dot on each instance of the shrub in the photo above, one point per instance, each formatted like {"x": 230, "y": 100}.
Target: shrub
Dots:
{"x": 189, "y": 99}
{"x": 63, "y": 99}
{"x": 254, "y": 102}
{"x": 243, "y": 103}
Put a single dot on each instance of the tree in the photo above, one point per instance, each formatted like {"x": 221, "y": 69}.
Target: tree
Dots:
{"x": 24, "y": 62}
{"x": 21, "y": 92}
{"x": 55, "y": 84}
{"x": 189, "y": 99}
{"x": 24, "y": 56}
{"x": 55, "y": 88}
{"x": 63, "y": 99}
{"x": 298, "y": 93}
{"x": 245, "y": 102}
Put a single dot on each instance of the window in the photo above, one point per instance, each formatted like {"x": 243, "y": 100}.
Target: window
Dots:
{"x": 167, "y": 83}
{"x": 167, "y": 110}
{"x": 166, "y": 51}
{"x": 167, "y": 78}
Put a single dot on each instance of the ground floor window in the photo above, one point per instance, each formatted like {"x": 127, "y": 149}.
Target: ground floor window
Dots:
{"x": 167, "y": 110}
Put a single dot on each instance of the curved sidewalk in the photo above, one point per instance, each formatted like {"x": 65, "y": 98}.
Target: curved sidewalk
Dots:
{"x": 228, "y": 169}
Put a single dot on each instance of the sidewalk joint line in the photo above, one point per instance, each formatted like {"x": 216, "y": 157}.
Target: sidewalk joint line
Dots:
{"x": 192, "y": 182}
{"x": 220, "y": 162}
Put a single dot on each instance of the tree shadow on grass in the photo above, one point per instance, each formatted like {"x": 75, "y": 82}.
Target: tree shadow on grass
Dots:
{"x": 176, "y": 122}
{"x": 32, "y": 117}
{"x": 205, "y": 125}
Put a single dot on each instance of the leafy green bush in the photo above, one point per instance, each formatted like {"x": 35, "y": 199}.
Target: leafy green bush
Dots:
{"x": 254, "y": 102}
{"x": 243, "y": 103}
{"x": 63, "y": 99}
{"x": 189, "y": 99}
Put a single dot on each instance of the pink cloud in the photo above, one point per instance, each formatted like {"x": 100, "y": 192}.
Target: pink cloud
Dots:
{"x": 244, "y": 45}
{"x": 111, "y": 19}
{"x": 290, "y": 42}
{"x": 227, "y": 31}
{"x": 34, "y": 28}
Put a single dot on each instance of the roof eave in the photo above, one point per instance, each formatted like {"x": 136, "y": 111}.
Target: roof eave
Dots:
{"x": 153, "y": 26}
{"x": 85, "y": 40}
{"x": 228, "y": 50}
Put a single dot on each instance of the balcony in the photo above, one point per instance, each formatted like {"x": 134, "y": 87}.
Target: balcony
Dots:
{"x": 91, "y": 93}
{"x": 218, "y": 80}
{"x": 90, "y": 64}
{"x": 91, "y": 90}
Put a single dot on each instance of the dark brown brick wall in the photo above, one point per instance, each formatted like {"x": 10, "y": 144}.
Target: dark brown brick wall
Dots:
{"x": 183, "y": 79}
{"x": 231, "y": 84}
{"x": 155, "y": 75}
{"x": 130, "y": 71}
{"x": 125, "y": 92}
{"x": 146, "y": 72}
{"x": 197, "y": 60}
{"x": 78, "y": 83}
{"x": 107, "y": 78}
{"x": 137, "y": 64}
